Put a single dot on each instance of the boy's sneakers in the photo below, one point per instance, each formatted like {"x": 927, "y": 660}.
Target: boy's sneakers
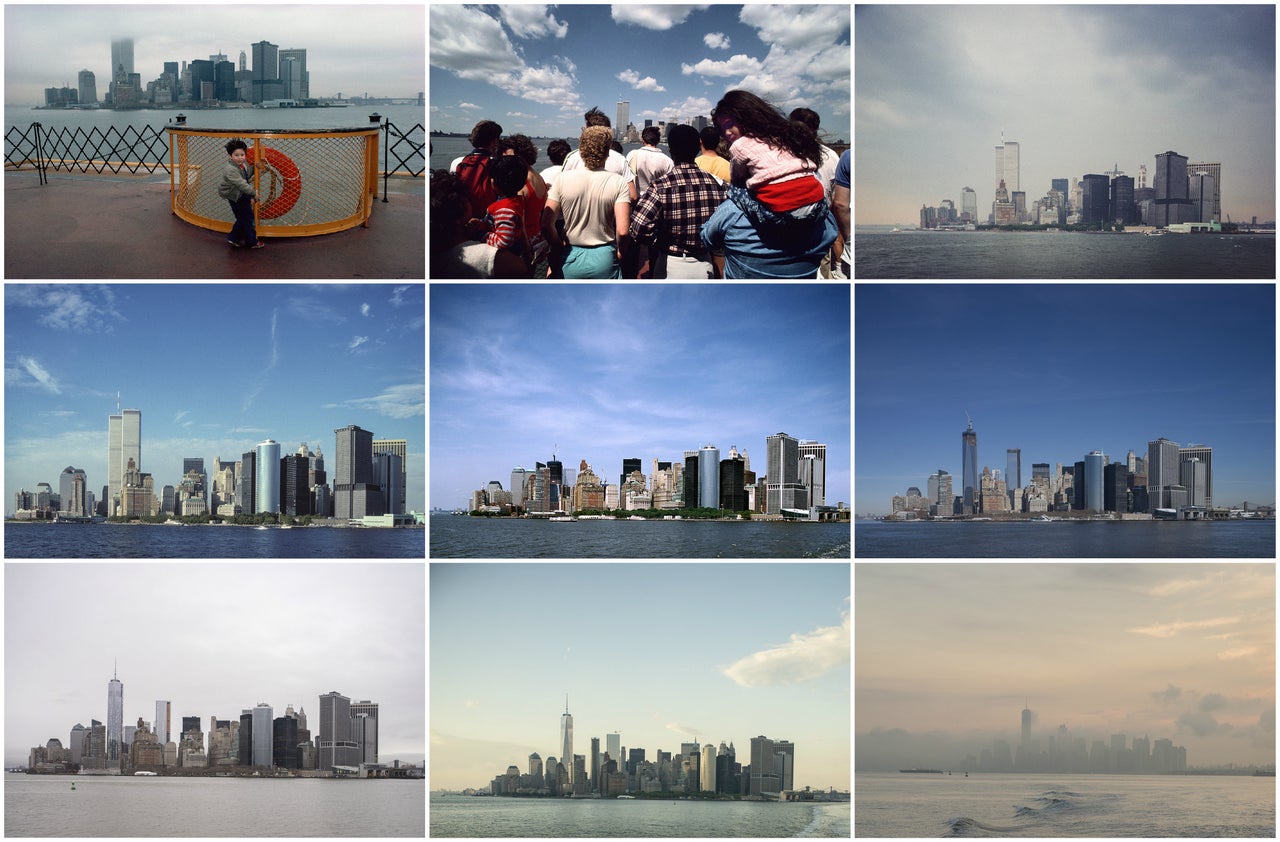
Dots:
{"x": 234, "y": 244}
{"x": 257, "y": 245}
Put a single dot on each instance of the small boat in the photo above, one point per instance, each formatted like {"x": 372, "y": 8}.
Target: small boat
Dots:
{"x": 628, "y": 797}
{"x": 563, "y": 519}
{"x": 1042, "y": 519}
{"x": 921, "y": 771}
{"x": 145, "y": 774}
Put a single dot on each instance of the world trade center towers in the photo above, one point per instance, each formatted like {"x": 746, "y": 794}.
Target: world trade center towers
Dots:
{"x": 969, "y": 459}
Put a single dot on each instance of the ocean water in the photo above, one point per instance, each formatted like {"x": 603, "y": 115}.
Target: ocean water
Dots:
{"x": 476, "y": 537}
{"x": 109, "y": 540}
{"x": 444, "y": 149}
{"x": 1055, "y": 806}
{"x": 1066, "y": 539}
{"x": 106, "y": 806}
{"x": 982, "y": 255}
{"x": 457, "y": 815}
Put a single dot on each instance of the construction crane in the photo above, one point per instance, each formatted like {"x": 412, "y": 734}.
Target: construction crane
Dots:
{"x": 966, "y": 415}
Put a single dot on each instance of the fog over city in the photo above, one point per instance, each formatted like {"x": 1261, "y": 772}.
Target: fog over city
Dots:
{"x": 948, "y": 655}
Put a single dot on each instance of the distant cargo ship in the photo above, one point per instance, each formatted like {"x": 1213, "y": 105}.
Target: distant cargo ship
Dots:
{"x": 923, "y": 771}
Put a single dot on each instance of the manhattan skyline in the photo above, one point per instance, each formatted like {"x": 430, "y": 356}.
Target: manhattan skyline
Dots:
{"x": 606, "y": 373}
{"x": 215, "y": 370}
{"x": 1080, "y": 88}
{"x": 1060, "y": 371}
{"x": 1175, "y": 651}
{"x": 214, "y": 662}
{"x": 785, "y": 675}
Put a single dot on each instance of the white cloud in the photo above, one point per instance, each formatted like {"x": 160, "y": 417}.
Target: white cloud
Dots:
{"x": 404, "y": 401}
{"x": 364, "y": 309}
{"x": 803, "y": 658}
{"x": 356, "y": 342}
{"x": 653, "y": 17}
{"x": 1171, "y": 629}
{"x": 469, "y": 105}
{"x": 716, "y": 40}
{"x": 797, "y": 27}
{"x": 735, "y": 66}
{"x": 397, "y": 295}
{"x": 533, "y": 21}
{"x": 633, "y": 79}
{"x": 522, "y": 115}
{"x": 40, "y": 374}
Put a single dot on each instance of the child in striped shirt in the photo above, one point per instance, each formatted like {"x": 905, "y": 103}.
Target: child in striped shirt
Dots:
{"x": 504, "y": 219}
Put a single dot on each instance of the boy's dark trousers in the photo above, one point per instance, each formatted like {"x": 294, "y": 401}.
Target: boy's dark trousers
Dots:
{"x": 242, "y": 231}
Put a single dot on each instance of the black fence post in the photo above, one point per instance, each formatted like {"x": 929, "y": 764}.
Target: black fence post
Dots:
{"x": 386, "y": 157}
{"x": 40, "y": 168}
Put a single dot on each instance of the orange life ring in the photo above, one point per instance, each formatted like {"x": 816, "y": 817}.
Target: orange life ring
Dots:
{"x": 283, "y": 165}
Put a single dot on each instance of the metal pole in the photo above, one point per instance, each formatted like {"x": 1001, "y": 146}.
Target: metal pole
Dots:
{"x": 386, "y": 157}
{"x": 40, "y": 169}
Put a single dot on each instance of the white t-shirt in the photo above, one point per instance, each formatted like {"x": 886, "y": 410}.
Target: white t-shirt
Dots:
{"x": 549, "y": 174}
{"x": 458, "y": 160}
{"x": 587, "y": 198}
{"x": 827, "y": 172}
{"x": 615, "y": 164}
{"x": 649, "y": 164}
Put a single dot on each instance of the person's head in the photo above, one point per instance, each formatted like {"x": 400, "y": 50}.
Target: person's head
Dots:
{"x": 710, "y": 138}
{"x": 558, "y": 150}
{"x": 684, "y": 143}
{"x": 508, "y": 173}
{"x": 450, "y": 209}
{"x": 743, "y": 114}
{"x": 651, "y": 135}
{"x": 505, "y": 147}
{"x": 523, "y": 148}
{"x": 596, "y": 117}
{"x": 593, "y": 146}
{"x": 807, "y": 116}
{"x": 615, "y": 146}
{"x": 484, "y": 134}
{"x": 237, "y": 150}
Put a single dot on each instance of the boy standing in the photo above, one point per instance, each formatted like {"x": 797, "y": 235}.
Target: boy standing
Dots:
{"x": 237, "y": 188}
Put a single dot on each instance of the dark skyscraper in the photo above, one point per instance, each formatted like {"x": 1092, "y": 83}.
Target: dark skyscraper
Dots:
{"x": 1172, "y": 203}
{"x": 628, "y": 465}
{"x": 1013, "y": 473}
{"x": 295, "y": 492}
{"x": 1122, "y": 209}
{"x": 969, "y": 462}
{"x": 246, "y": 495}
{"x": 355, "y": 494}
{"x": 733, "y": 496}
{"x": 1094, "y": 198}
{"x": 1115, "y": 487}
{"x": 692, "y": 500}
{"x": 284, "y": 742}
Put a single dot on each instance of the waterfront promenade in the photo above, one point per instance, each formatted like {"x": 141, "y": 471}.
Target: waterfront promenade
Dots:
{"x": 108, "y": 226}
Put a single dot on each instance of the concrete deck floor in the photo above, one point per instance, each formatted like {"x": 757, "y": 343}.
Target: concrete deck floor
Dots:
{"x": 91, "y": 226}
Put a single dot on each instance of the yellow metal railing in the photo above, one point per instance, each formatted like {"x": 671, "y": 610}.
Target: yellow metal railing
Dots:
{"x": 308, "y": 182}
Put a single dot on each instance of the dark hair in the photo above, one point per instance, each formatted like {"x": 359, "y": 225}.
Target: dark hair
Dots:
{"x": 807, "y": 116}
{"x": 615, "y": 146}
{"x": 525, "y": 150}
{"x": 596, "y": 117}
{"x": 485, "y": 132}
{"x": 757, "y": 118}
{"x": 558, "y": 150}
{"x": 710, "y": 137}
{"x": 683, "y": 143}
{"x": 233, "y": 145}
{"x": 504, "y": 143}
{"x": 450, "y": 206}
{"x": 651, "y": 135}
{"x": 509, "y": 174}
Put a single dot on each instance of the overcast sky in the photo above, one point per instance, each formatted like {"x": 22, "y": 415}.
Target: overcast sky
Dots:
{"x": 1081, "y": 88}
{"x": 662, "y": 653}
{"x": 350, "y": 48}
{"x": 213, "y": 639}
{"x": 950, "y": 654}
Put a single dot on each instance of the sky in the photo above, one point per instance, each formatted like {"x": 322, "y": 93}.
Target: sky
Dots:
{"x": 1060, "y": 370}
{"x": 350, "y": 48}
{"x": 951, "y": 653}
{"x": 214, "y": 368}
{"x": 1080, "y": 88}
{"x": 537, "y": 69}
{"x": 641, "y": 650}
{"x": 270, "y": 638}
{"x": 602, "y": 373}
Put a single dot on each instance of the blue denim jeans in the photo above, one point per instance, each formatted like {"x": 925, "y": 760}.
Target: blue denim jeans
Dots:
{"x": 243, "y": 232}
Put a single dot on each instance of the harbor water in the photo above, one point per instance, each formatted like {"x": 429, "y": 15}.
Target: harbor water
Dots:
{"x": 123, "y": 807}
{"x": 111, "y": 540}
{"x": 1066, "y": 539}
{"x": 456, "y": 815}
{"x": 454, "y": 536}
{"x": 981, "y": 255}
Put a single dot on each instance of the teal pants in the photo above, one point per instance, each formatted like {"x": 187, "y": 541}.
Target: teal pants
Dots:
{"x": 597, "y": 262}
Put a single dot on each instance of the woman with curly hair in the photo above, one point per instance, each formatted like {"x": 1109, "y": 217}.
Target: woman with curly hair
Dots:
{"x": 596, "y": 208}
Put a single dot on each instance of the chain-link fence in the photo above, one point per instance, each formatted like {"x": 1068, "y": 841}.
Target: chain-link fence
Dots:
{"x": 308, "y": 182}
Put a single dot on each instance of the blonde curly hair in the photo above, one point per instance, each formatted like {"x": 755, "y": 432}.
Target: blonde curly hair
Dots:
{"x": 593, "y": 146}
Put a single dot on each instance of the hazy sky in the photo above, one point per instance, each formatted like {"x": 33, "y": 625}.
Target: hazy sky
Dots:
{"x": 952, "y": 652}
{"x": 537, "y": 69}
{"x": 1060, "y": 370}
{"x": 214, "y": 368}
{"x": 661, "y": 653}
{"x": 354, "y": 49}
{"x": 1081, "y": 88}
{"x": 213, "y": 639}
{"x": 607, "y": 372}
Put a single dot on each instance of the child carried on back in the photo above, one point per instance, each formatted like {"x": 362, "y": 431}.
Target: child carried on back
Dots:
{"x": 504, "y": 219}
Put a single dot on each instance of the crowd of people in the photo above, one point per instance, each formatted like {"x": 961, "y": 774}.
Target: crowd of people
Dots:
{"x": 753, "y": 195}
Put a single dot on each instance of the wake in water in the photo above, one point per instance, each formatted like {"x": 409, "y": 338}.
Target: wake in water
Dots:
{"x": 1050, "y": 807}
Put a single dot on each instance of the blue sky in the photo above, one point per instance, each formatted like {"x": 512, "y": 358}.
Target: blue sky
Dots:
{"x": 1081, "y": 88}
{"x": 1059, "y": 371}
{"x": 603, "y": 373}
{"x": 215, "y": 369}
{"x": 536, "y": 69}
{"x": 782, "y": 671}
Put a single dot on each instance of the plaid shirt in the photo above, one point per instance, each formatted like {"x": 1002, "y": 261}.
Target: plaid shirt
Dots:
{"x": 675, "y": 207}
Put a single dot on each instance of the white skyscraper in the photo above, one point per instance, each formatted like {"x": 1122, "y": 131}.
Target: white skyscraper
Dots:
{"x": 163, "y": 712}
{"x": 115, "y": 721}
{"x": 267, "y": 468}
{"x": 124, "y": 442}
{"x": 1007, "y": 164}
{"x": 624, "y": 115}
{"x": 708, "y": 769}
{"x": 566, "y": 740}
{"x": 262, "y": 718}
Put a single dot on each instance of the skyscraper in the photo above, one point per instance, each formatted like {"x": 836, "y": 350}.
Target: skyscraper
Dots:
{"x": 1205, "y": 454}
{"x": 164, "y": 710}
{"x": 1026, "y": 727}
{"x": 124, "y": 442}
{"x": 1213, "y": 168}
{"x": 355, "y": 493}
{"x": 367, "y": 735}
{"x": 121, "y": 60}
{"x": 620, "y": 126}
{"x": 1007, "y": 164}
{"x": 709, "y": 476}
{"x": 1162, "y": 472}
{"x": 267, "y": 492}
{"x": 336, "y": 746}
{"x": 941, "y": 499}
{"x": 400, "y": 447}
{"x": 88, "y": 87}
{"x": 1172, "y": 204}
{"x": 764, "y": 774}
{"x": 566, "y": 739}
{"x": 817, "y": 482}
{"x": 262, "y": 735}
{"x": 1201, "y": 194}
{"x": 968, "y": 205}
{"x": 1013, "y": 473}
{"x": 115, "y": 721}
{"x": 783, "y": 489}
{"x": 1093, "y": 491}
{"x": 295, "y": 492}
{"x": 294, "y": 73}
{"x": 1095, "y": 197}
{"x": 969, "y": 488}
